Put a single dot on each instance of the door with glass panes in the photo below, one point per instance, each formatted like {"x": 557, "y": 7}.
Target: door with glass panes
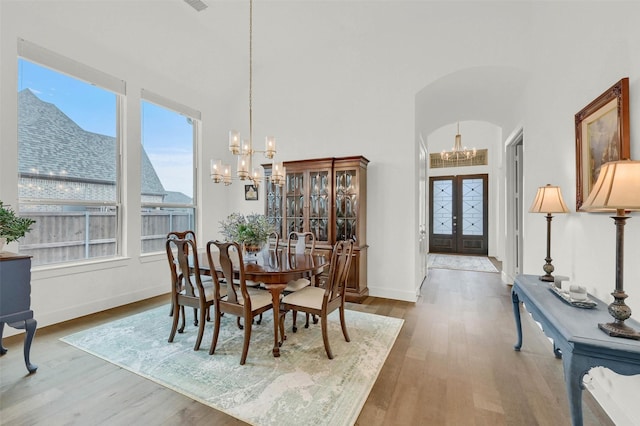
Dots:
{"x": 458, "y": 214}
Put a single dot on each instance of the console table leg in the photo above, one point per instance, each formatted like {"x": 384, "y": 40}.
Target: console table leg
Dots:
{"x": 516, "y": 315}
{"x": 3, "y": 350}
{"x": 556, "y": 351}
{"x": 574, "y": 370}
{"x": 30, "y": 327}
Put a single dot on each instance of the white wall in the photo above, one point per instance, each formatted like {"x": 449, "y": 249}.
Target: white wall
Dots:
{"x": 345, "y": 78}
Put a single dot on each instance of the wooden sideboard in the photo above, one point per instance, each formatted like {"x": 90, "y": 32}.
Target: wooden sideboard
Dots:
{"x": 15, "y": 300}
{"x": 326, "y": 196}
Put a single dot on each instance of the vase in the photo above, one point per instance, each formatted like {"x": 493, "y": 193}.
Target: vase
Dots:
{"x": 250, "y": 251}
{"x": 3, "y": 241}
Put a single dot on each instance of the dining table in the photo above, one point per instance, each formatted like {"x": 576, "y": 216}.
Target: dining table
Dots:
{"x": 274, "y": 270}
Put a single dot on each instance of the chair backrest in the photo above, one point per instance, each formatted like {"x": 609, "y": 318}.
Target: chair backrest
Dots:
{"x": 185, "y": 270}
{"x": 273, "y": 241}
{"x": 297, "y": 243}
{"x": 183, "y": 235}
{"x": 232, "y": 267}
{"x": 339, "y": 270}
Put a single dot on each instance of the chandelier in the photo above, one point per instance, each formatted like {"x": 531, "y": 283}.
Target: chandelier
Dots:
{"x": 458, "y": 152}
{"x": 243, "y": 148}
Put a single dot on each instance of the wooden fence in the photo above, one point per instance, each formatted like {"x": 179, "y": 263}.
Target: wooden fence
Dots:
{"x": 72, "y": 236}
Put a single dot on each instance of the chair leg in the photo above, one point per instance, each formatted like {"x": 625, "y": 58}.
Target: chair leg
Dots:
{"x": 182, "y": 319}
{"x": 174, "y": 325}
{"x": 247, "y": 339}
{"x": 325, "y": 336}
{"x": 344, "y": 325}
{"x": 195, "y": 317}
{"x": 295, "y": 318}
{"x": 203, "y": 314}
{"x": 216, "y": 332}
{"x": 240, "y": 326}
{"x": 283, "y": 316}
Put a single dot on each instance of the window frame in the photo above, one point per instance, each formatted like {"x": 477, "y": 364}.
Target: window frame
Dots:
{"x": 196, "y": 117}
{"x": 55, "y": 62}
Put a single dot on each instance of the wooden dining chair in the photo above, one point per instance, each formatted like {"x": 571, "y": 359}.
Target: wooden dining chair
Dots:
{"x": 190, "y": 235}
{"x": 322, "y": 301}
{"x": 297, "y": 244}
{"x": 187, "y": 286}
{"x": 240, "y": 300}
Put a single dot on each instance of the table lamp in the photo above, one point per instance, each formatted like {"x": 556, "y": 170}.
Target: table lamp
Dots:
{"x": 617, "y": 189}
{"x": 548, "y": 200}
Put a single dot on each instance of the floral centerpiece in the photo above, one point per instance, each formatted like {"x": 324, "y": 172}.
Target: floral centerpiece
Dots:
{"x": 252, "y": 231}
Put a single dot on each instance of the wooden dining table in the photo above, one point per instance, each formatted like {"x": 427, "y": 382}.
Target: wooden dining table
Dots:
{"x": 275, "y": 270}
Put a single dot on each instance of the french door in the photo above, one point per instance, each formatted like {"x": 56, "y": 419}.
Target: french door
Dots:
{"x": 458, "y": 214}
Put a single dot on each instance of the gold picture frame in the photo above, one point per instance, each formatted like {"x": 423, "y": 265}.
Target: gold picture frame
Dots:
{"x": 602, "y": 135}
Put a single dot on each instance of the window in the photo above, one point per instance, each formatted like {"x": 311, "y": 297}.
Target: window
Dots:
{"x": 68, "y": 157}
{"x": 169, "y": 132}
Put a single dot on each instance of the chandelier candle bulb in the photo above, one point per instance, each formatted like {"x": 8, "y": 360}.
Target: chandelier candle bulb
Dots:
{"x": 269, "y": 147}
{"x": 243, "y": 167}
{"x": 216, "y": 170}
{"x": 246, "y": 148}
{"x": 234, "y": 142}
{"x": 226, "y": 174}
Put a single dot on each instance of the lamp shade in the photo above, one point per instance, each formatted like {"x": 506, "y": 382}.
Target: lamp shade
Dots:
{"x": 548, "y": 200}
{"x": 617, "y": 187}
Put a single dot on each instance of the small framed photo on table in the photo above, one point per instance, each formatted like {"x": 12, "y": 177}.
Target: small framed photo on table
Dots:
{"x": 602, "y": 135}
{"x": 251, "y": 192}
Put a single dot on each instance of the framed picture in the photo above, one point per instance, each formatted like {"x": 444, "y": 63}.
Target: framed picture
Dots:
{"x": 251, "y": 192}
{"x": 602, "y": 135}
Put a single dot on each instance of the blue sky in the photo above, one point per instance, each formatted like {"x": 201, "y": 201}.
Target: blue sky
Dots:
{"x": 167, "y": 136}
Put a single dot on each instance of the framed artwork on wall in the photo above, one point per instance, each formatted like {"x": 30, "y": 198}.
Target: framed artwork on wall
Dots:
{"x": 251, "y": 192}
{"x": 602, "y": 135}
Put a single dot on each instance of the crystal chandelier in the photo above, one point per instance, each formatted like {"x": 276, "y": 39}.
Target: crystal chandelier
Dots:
{"x": 243, "y": 148}
{"x": 458, "y": 152}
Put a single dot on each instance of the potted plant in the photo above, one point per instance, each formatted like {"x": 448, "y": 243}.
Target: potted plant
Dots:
{"x": 12, "y": 227}
{"x": 251, "y": 231}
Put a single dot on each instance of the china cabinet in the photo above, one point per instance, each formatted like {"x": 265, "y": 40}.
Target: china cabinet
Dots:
{"x": 326, "y": 196}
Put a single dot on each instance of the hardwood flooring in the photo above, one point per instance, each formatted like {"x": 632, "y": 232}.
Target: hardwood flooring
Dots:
{"x": 453, "y": 364}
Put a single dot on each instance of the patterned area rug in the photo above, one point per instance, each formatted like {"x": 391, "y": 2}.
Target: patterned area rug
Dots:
{"x": 464, "y": 263}
{"x": 302, "y": 387}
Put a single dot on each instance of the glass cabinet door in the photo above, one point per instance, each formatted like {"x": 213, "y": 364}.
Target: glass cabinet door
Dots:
{"x": 294, "y": 202}
{"x": 319, "y": 204}
{"x": 274, "y": 206}
{"x": 346, "y": 205}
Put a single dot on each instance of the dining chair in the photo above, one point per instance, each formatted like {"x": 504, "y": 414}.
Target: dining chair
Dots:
{"x": 190, "y": 235}
{"x": 187, "y": 286}
{"x": 297, "y": 244}
{"x": 240, "y": 300}
{"x": 322, "y": 301}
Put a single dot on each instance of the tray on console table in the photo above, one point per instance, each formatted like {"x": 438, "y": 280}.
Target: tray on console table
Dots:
{"x": 576, "y": 336}
{"x": 15, "y": 300}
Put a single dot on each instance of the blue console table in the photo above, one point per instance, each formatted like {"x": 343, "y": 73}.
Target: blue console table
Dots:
{"x": 15, "y": 300}
{"x": 576, "y": 336}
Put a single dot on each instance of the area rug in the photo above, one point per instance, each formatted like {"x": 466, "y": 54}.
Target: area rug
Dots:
{"x": 301, "y": 387}
{"x": 464, "y": 263}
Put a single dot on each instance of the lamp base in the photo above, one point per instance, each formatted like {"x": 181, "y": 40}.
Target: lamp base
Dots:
{"x": 619, "y": 330}
{"x": 548, "y": 278}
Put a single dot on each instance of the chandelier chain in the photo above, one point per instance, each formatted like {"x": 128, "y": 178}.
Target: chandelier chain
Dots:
{"x": 251, "y": 74}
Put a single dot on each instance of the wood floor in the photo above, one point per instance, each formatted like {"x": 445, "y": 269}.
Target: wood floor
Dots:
{"x": 453, "y": 364}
